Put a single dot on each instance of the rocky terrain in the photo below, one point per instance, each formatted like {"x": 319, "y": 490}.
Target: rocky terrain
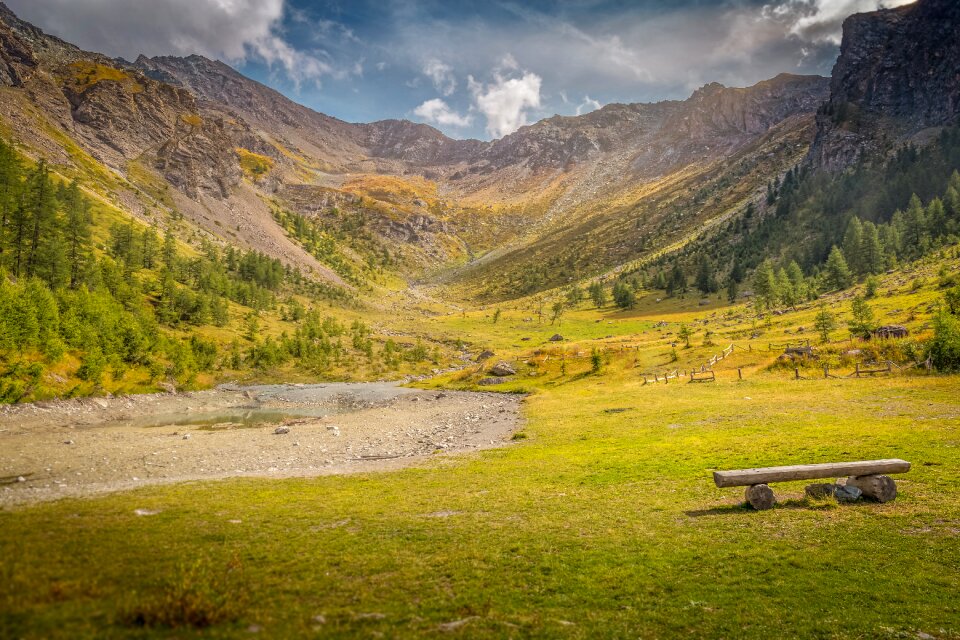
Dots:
{"x": 170, "y": 134}
{"x": 896, "y": 78}
{"x": 82, "y": 447}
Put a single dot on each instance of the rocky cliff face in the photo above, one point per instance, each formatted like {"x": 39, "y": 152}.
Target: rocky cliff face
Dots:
{"x": 897, "y": 76}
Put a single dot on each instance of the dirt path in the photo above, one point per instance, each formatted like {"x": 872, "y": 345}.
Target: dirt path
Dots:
{"x": 83, "y": 447}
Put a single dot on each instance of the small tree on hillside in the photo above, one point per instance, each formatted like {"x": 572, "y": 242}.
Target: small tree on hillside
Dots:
{"x": 623, "y": 296}
{"x": 684, "y": 334}
{"x": 824, "y": 323}
{"x": 598, "y": 294}
{"x": 556, "y": 311}
{"x": 861, "y": 324}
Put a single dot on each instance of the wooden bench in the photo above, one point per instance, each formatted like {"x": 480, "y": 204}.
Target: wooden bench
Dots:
{"x": 867, "y": 475}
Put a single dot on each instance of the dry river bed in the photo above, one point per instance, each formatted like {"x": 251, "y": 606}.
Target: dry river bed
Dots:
{"x": 56, "y": 449}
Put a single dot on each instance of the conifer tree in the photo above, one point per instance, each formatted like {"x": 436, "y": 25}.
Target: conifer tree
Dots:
{"x": 837, "y": 272}
{"x": 77, "y": 223}
{"x": 706, "y": 278}
{"x": 852, "y": 244}
{"x": 871, "y": 250}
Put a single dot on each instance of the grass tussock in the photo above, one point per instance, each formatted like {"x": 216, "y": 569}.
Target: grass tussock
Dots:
{"x": 198, "y": 595}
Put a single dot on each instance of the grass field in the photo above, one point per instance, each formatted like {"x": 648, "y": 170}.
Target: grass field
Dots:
{"x": 600, "y": 520}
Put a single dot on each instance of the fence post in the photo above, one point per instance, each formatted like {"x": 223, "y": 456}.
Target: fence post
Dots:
{"x": 826, "y": 371}
{"x": 858, "y": 370}
{"x": 796, "y": 372}
{"x": 655, "y": 378}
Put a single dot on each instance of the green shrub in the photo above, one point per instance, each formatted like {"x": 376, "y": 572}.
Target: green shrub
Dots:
{"x": 944, "y": 349}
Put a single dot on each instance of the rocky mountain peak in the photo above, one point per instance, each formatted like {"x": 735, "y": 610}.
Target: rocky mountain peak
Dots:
{"x": 895, "y": 78}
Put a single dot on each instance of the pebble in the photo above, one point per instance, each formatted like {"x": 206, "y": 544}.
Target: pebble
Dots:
{"x": 281, "y": 430}
{"x": 186, "y": 436}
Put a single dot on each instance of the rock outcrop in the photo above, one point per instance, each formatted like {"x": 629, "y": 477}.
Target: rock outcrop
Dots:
{"x": 897, "y": 77}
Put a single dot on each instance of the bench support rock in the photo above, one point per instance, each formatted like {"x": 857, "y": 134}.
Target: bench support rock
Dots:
{"x": 760, "y": 497}
{"x": 877, "y": 487}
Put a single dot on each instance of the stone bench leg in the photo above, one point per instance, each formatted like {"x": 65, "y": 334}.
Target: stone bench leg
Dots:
{"x": 760, "y": 497}
{"x": 879, "y": 488}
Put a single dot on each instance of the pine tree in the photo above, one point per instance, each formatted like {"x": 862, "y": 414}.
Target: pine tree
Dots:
{"x": 10, "y": 187}
{"x": 77, "y": 223}
{"x": 765, "y": 285}
{"x": 824, "y": 322}
{"x": 838, "y": 274}
{"x": 732, "y": 290}
{"x": 677, "y": 283}
{"x": 914, "y": 232}
{"x": 598, "y": 294}
{"x": 861, "y": 324}
{"x": 852, "y": 244}
{"x": 40, "y": 200}
{"x": 936, "y": 217}
{"x": 871, "y": 250}
{"x": 706, "y": 280}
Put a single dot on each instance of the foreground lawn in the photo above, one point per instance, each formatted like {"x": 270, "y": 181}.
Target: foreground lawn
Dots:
{"x": 603, "y": 522}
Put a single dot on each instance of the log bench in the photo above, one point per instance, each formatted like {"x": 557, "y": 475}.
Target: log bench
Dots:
{"x": 870, "y": 476}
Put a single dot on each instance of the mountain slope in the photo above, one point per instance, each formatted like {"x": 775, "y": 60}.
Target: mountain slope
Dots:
{"x": 193, "y": 137}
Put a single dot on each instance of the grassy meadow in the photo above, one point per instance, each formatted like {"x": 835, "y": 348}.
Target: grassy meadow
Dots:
{"x": 600, "y": 519}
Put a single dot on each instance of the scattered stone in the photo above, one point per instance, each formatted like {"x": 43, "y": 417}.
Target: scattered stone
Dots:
{"x": 556, "y": 338}
{"x": 145, "y": 512}
{"x": 847, "y": 493}
{"x": 281, "y": 430}
{"x": 502, "y": 368}
{"x": 371, "y": 616}
{"x": 186, "y": 436}
{"x": 320, "y": 619}
{"x": 490, "y": 381}
{"x": 21, "y": 479}
{"x": 68, "y": 442}
{"x": 485, "y": 355}
{"x": 456, "y": 624}
{"x": 254, "y": 628}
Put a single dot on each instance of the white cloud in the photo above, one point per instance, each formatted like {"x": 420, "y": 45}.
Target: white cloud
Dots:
{"x": 232, "y": 30}
{"x": 505, "y": 101}
{"x": 821, "y": 21}
{"x": 588, "y": 105}
{"x": 442, "y": 76}
{"x": 439, "y": 112}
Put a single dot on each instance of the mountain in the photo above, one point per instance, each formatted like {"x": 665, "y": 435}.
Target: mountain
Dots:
{"x": 567, "y": 196}
{"x": 896, "y": 79}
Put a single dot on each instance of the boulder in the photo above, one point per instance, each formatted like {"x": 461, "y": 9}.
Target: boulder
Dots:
{"x": 556, "y": 338}
{"x": 878, "y": 487}
{"x": 847, "y": 493}
{"x": 485, "y": 355}
{"x": 502, "y": 368}
{"x": 281, "y": 430}
{"x": 760, "y": 497}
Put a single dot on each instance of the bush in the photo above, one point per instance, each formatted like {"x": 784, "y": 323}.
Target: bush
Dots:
{"x": 944, "y": 349}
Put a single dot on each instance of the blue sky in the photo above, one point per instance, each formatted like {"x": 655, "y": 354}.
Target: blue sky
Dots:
{"x": 472, "y": 69}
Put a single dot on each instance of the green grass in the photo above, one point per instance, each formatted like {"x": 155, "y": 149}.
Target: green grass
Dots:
{"x": 607, "y": 520}
{"x": 602, "y": 521}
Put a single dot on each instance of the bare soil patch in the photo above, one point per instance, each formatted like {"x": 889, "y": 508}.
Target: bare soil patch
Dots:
{"x": 87, "y": 446}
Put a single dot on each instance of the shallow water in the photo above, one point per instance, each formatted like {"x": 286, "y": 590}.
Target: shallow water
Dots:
{"x": 234, "y": 417}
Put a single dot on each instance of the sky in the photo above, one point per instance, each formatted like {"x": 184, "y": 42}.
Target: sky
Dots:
{"x": 471, "y": 69}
